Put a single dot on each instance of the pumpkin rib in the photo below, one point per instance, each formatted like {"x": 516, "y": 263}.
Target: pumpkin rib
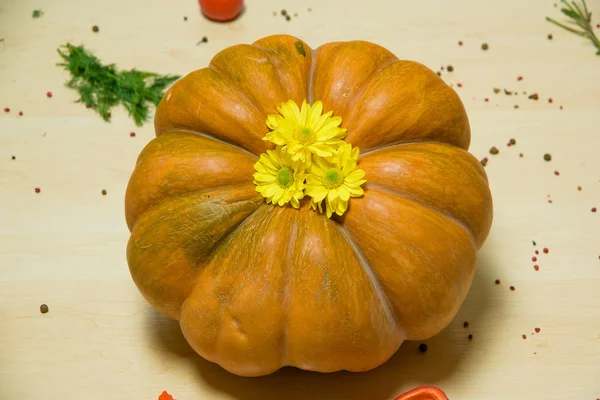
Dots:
{"x": 401, "y": 144}
{"x": 372, "y": 277}
{"x": 293, "y": 72}
{"x": 409, "y": 197}
{"x": 212, "y": 137}
{"x": 286, "y": 301}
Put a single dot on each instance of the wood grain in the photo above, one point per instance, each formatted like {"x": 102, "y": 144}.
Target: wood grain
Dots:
{"x": 66, "y": 245}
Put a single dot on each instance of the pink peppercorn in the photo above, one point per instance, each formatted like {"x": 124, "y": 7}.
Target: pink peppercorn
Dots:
{"x": 37, "y": 190}
{"x": 49, "y": 94}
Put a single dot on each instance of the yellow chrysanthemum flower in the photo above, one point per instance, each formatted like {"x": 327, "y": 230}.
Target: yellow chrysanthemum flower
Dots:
{"x": 279, "y": 179}
{"x": 335, "y": 179}
{"x": 303, "y": 131}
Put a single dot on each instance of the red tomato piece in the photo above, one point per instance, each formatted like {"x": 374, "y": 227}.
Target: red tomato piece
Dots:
{"x": 221, "y": 10}
{"x": 423, "y": 393}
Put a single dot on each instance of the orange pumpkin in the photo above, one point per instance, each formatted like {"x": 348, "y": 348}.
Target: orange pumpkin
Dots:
{"x": 258, "y": 286}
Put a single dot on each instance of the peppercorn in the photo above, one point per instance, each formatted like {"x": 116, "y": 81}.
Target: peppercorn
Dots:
{"x": 450, "y": 68}
{"x": 103, "y": 192}
{"x": 43, "y": 308}
{"x": 466, "y": 324}
{"x": 494, "y": 150}
{"x": 547, "y": 157}
{"x": 95, "y": 28}
{"x": 484, "y": 46}
{"x": 422, "y": 347}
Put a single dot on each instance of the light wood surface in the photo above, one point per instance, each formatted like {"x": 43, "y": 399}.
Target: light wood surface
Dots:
{"x": 65, "y": 246}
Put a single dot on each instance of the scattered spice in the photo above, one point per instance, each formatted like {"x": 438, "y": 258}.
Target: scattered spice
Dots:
{"x": 439, "y": 73}
{"x": 288, "y": 18}
{"x": 423, "y": 347}
{"x": 516, "y": 106}
{"x": 466, "y": 324}
{"x": 283, "y": 12}
{"x": 508, "y": 92}
{"x": 6, "y": 109}
{"x": 497, "y": 281}
{"x": 484, "y": 161}
{"x": 547, "y": 156}
{"x": 44, "y": 308}
{"x": 459, "y": 84}
{"x": 534, "y": 96}
{"x": 524, "y": 336}
{"x": 496, "y": 90}
{"x": 185, "y": 18}
{"x": 556, "y": 173}
{"x": 537, "y": 330}
{"x": 594, "y": 209}
{"x": 512, "y": 142}
{"x": 470, "y": 337}
{"x": 103, "y": 87}
{"x": 519, "y": 78}
{"x": 486, "y": 99}
{"x": 534, "y": 258}
{"x": 460, "y": 43}
{"x": 484, "y": 46}
{"x": 13, "y": 158}
{"x": 536, "y": 267}
{"x": 549, "y": 36}
{"x": 512, "y": 288}
{"x": 545, "y": 250}
{"x": 37, "y": 190}
{"x": 37, "y": 13}
{"x": 295, "y": 14}
{"x": 131, "y": 134}
{"x": 450, "y": 68}
{"x": 579, "y": 188}
{"x": 49, "y": 94}
{"x": 494, "y": 150}
{"x": 103, "y": 192}
{"x": 534, "y": 243}
{"x": 537, "y": 252}
{"x": 20, "y": 113}
{"x": 521, "y": 155}
{"x": 95, "y": 28}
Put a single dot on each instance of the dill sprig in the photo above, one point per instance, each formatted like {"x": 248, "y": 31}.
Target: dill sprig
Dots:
{"x": 581, "y": 18}
{"x": 102, "y": 87}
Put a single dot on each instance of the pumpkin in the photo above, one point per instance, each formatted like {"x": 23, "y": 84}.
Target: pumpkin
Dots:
{"x": 257, "y": 286}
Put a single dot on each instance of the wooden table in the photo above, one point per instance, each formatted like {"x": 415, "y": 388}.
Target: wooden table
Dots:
{"x": 65, "y": 246}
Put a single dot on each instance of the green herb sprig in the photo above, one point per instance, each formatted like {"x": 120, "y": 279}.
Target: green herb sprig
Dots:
{"x": 102, "y": 87}
{"x": 581, "y": 18}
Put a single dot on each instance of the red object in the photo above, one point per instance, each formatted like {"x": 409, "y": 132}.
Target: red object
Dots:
{"x": 37, "y": 190}
{"x": 459, "y": 84}
{"x": 536, "y": 267}
{"x": 556, "y": 173}
{"x": 49, "y": 94}
{"x": 534, "y": 258}
{"x": 524, "y": 336}
{"x": 460, "y": 43}
{"x": 221, "y": 10}
{"x": 6, "y": 109}
{"x": 546, "y": 250}
{"x": 537, "y": 330}
{"x": 520, "y": 78}
{"x": 165, "y": 396}
{"x": 423, "y": 393}
{"x": 132, "y": 134}
{"x": 497, "y": 281}
{"x": 20, "y": 113}
{"x": 594, "y": 209}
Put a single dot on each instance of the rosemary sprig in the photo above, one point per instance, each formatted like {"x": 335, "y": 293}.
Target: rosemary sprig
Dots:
{"x": 102, "y": 87}
{"x": 581, "y": 18}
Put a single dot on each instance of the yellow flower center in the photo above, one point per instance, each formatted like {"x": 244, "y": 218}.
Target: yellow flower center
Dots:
{"x": 305, "y": 136}
{"x": 332, "y": 178}
{"x": 285, "y": 178}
